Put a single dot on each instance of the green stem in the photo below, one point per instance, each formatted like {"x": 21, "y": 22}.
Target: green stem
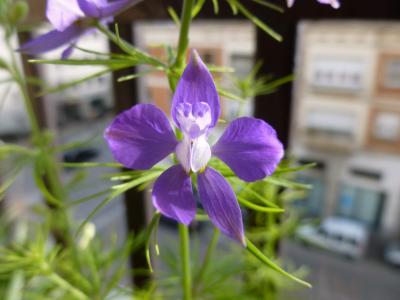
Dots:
{"x": 67, "y": 286}
{"x": 49, "y": 164}
{"x": 186, "y": 19}
{"x": 206, "y": 261}
{"x": 176, "y": 69}
{"x": 14, "y": 70}
{"x": 185, "y": 257}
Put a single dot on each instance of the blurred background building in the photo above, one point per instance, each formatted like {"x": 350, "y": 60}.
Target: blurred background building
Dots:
{"x": 346, "y": 117}
{"x": 232, "y": 45}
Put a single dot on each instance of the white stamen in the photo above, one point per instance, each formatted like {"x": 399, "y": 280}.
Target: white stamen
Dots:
{"x": 194, "y": 152}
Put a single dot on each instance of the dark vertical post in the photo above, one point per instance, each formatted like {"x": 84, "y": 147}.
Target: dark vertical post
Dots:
{"x": 125, "y": 96}
{"x": 31, "y": 70}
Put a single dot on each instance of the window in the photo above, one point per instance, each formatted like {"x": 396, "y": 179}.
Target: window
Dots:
{"x": 331, "y": 123}
{"x": 361, "y": 204}
{"x": 312, "y": 205}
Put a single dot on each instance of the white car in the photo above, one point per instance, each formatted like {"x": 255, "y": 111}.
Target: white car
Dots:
{"x": 337, "y": 234}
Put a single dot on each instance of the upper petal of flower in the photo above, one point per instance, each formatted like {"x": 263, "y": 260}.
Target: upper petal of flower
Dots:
{"x": 290, "y": 3}
{"x": 334, "y": 3}
{"x": 103, "y": 8}
{"x": 196, "y": 85}
{"x": 219, "y": 201}
{"x": 250, "y": 148}
{"x": 62, "y": 13}
{"x": 173, "y": 195}
{"x": 52, "y": 40}
{"x": 140, "y": 137}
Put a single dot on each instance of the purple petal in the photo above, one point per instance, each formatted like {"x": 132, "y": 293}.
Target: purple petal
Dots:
{"x": 61, "y": 13}
{"x": 103, "y": 9}
{"x": 91, "y": 8}
{"x": 51, "y": 40}
{"x": 140, "y": 137}
{"x": 250, "y": 148}
{"x": 173, "y": 195}
{"x": 68, "y": 51}
{"x": 196, "y": 85}
{"x": 219, "y": 201}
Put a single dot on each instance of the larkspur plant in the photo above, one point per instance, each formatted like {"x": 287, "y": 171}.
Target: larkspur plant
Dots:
{"x": 246, "y": 170}
{"x": 72, "y": 19}
{"x": 142, "y": 136}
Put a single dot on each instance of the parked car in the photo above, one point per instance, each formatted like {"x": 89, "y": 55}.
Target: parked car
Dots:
{"x": 392, "y": 254}
{"x": 337, "y": 234}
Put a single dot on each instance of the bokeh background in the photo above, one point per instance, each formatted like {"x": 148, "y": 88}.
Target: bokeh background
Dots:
{"x": 341, "y": 111}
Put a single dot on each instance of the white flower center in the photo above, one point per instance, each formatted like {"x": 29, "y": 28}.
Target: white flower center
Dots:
{"x": 193, "y": 152}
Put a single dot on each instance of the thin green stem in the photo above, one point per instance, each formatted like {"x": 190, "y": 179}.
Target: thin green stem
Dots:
{"x": 185, "y": 257}
{"x": 206, "y": 261}
{"x": 22, "y": 86}
{"x": 51, "y": 172}
{"x": 177, "y": 68}
{"x": 61, "y": 282}
{"x": 186, "y": 19}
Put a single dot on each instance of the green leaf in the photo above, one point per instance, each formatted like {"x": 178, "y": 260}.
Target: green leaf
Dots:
{"x": 259, "y": 208}
{"x": 233, "y": 6}
{"x": 255, "y": 20}
{"x": 67, "y": 85}
{"x": 87, "y": 198}
{"x": 40, "y": 184}
{"x": 91, "y": 165}
{"x": 258, "y": 254}
{"x": 248, "y": 189}
{"x": 216, "y": 6}
{"x": 197, "y": 7}
{"x": 117, "y": 63}
{"x": 174, "y": 16}
{"x": 229, "y": 95}
{"x": 220, "y": 69}
{"x": 295, "y": 169}
{"x": 270, "y": 5}
{"x": 3, "y": 64}
{"x": 136, "y": 75}
{"x": 287, "y": 183}
{"x": 149, "y": 230}
{"x": 118, "y": 190}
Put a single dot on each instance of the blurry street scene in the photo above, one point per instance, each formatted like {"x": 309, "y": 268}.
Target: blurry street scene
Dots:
{"x": 339, "y": 109}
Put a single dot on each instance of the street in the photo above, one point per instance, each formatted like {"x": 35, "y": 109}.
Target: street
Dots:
{"x": 337, "y": 278}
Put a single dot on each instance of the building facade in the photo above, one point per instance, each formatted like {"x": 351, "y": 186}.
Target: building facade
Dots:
{"x": 346, "y": 117}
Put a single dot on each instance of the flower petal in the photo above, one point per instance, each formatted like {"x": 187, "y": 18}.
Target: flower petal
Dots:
{"x": 334, "y": 3}
{"x": 104, "y": 9}
{"x": 200, "y": 154}
{"x": 173, "y": 195}
{"x": 250, "y": 148}
{"x": 219, "y": 201}
{"x": 68, "y": 51}
{"x": 91, "y": 8}
{"x": 61, "y": 14}
{"x": 290, "y": 3}
{"x": 51, "y": 40}
{"x": 196, "y": 85}
{"x": 140, "y": 137}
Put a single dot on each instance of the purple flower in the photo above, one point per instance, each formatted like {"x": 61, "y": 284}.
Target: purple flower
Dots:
{"x": 142, "y": 136}
{"x": 71, "y": 19}
{"x": 334, "y": 3}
